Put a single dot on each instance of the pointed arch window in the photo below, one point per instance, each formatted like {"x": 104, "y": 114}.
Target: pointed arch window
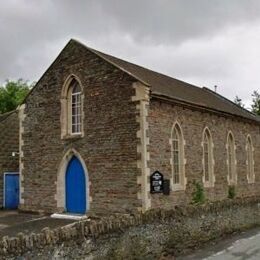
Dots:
{"x": 75, "y": 107}
{"x": 231, "y": 159}
{"x": 250, "y": 160}
{"x": 207, "y": 160}
{"x": 177, "y": 160}
{"x": 72, "y": 108}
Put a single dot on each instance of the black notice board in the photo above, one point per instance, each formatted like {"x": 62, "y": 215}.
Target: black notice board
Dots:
{"x": 156, "y": 180}
{"x": 166, "y": 187}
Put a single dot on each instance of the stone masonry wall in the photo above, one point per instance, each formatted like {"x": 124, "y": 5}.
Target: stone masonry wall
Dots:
{"x": 138, "y": 236}
{"x": 9, "y": 142}
{"x": 161, "y": 118}
{"x": 109, "y": 145}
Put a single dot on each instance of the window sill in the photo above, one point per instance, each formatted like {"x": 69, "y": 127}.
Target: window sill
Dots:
{"x": 208, "y": 185}
{"x": 251, "y": 179}
{"x": 232, "y": 183}
{"x": 178, "y": 187}
{"x": 72, "y": 136}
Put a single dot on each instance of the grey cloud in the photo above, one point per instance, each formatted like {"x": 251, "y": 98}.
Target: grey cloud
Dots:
{"x": 206, "y": 42}
{"x": 162, "y": 21}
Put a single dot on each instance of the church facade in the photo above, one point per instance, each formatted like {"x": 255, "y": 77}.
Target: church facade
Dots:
{"x": 95, "y": 128}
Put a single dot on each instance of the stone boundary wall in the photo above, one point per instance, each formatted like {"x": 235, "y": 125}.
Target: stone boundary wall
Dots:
{"x": 148, "y": 234}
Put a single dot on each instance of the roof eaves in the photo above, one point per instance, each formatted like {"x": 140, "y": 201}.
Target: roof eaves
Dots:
{"x": 209, "y": 109}
{"x": 4, "y": 116}
{"x": 229, "y": 101}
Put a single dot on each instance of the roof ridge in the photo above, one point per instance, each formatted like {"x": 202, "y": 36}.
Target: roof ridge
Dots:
{"x": 100, "y": 53}
{"x": 163, "y": 84}
{"x": 132, "y": 69}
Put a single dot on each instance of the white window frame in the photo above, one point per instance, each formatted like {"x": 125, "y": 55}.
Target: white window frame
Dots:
{"x": 250, "y": 164}
{"x": 210, "y": 154}
{"x": 77, "y": 106}
{"x": 231, "y": 159}
{"x": 181, "y": 159}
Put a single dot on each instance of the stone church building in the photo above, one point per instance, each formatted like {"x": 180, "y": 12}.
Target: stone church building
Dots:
{"x": 95, "y": 128}
{"x": 9, "y": 156}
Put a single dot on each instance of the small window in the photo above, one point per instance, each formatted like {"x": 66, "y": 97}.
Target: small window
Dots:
{"x": 176, "y": 156}
{"x": 177, "y": 160}
{"x": 207, "y": 160}
{"x": 231, "y": 159}
{"x": 75, "y": 108}
{"x": 71, "y": 108}
{"x": 250, "y": 160}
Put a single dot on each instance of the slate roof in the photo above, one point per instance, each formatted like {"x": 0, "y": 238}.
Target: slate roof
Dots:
{"x": 5, "y": 115}
{"x": 163, "y": 85}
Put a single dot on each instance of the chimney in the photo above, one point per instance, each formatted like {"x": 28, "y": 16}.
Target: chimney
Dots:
{"x": 216, "y": 87}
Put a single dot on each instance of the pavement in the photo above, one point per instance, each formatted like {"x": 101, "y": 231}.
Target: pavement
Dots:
{"x": 243, "y": 246}
{"x": 13, "y": 222}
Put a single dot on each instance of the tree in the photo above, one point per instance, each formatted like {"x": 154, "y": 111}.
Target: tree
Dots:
{"x": 238, "y": 101}
{"x": 12, "y": 93}
{"x": 256, "y": 103}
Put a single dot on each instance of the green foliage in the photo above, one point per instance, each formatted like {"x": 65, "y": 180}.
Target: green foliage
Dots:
{"x": 238, "y": 101}
{"x": 12, "y": 94}
{"x": 198, "y": 196}
{"x": 256, "y": 103}
{"x": 231, "y": 192}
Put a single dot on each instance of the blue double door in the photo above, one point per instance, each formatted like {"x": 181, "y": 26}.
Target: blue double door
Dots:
{"x": 11, "y": 190}
{"x": 76, "y": 201}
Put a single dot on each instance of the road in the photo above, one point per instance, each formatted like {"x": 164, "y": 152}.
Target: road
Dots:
{"x": 245, "y": 246}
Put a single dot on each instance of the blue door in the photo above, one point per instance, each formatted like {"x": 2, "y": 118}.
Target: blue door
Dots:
{"x": 11, "y": 190}
{"x": 75, "y": 187}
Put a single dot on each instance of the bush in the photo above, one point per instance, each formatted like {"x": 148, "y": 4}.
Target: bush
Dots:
{"x": 231, "y": 192}
{"x": 198, "y": 196}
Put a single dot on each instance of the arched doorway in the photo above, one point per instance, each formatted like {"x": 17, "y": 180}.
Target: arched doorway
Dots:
{"x": 76, "y": 184}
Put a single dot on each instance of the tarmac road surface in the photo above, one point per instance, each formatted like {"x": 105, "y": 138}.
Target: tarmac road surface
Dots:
{"x": 245, "y": 246}
{"x": 13, "y": 222}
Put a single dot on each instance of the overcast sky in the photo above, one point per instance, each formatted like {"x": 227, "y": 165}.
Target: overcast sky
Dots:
{"x": 204, "y": 42}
